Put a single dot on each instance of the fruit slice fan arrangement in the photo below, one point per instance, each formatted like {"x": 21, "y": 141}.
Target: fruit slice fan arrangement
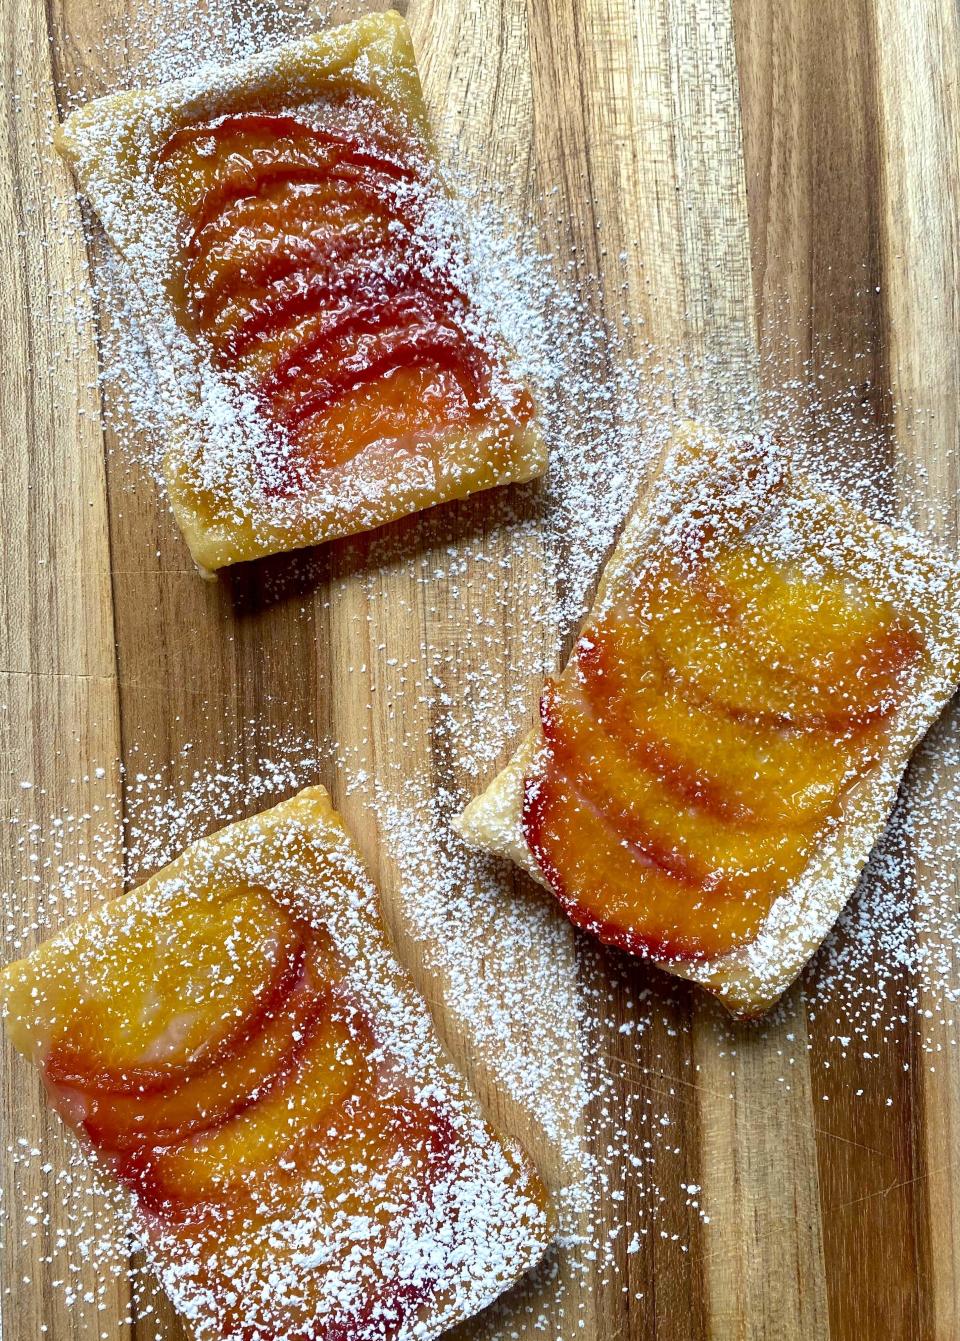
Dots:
{"x": 310, "y": 263}
{"x": 705, "y": 731}
{"x": 213, "y": 1047}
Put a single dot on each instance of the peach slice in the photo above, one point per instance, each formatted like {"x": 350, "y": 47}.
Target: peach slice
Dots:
{"x": 116, "y": 1122}
{"x": 609, "y": 888}
{"x": 175, "y": 994}
{"x": 269, "y": 320}
{"x": 332, "y": 1066}
{"x": 817, "y": 625}
{"x": 403, "y": 1143}
{"x": 396, "y": 338}
{"x": 419, "y": 400}
{"x": 710, "y": 656}
{"x": 763, "y": 642}
{"x": 208, "y": 165}
{"x": 229, "y": 275}
{"x": 685, "y": 841}
{"x": 737, "y": 770}
{"x": 824, "y": 629}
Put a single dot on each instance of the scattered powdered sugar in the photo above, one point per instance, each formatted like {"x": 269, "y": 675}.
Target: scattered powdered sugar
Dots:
{"x": 532, "y": 1008}
{"x": 189, "y": 40}
{"x": 892, "y": 952}
{"x": 904, "y": 920}
{"x": 479, "y": 1224}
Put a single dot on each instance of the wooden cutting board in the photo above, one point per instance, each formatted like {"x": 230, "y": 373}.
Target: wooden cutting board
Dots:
{"x": 809, "y": 205}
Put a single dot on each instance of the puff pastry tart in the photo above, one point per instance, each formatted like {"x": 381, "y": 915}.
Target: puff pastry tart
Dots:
{"x": 305, "y": 294}
{"x": 714, "y": 764}
{"x": 235, "y": 1042}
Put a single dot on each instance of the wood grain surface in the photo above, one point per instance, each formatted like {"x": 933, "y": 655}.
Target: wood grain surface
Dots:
{"x": 782, "y": 181}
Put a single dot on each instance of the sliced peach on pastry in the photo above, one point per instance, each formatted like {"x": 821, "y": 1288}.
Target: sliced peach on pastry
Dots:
{"x": 314, "y": 378}
{"x": 279, "y": 319}
{"x": 384, "y": 362}
{"x": 333, "y": 1112}
{"x": 678, "y": 727}
{"x": 402, "y": 1140}
{"x": 826, "y": 630}
{"x": 610, "y": 888}
{"x": 711, "y": 657}
{"x": 741, "y": 771}
{"x": 401, "y": 1146}
{"x": 684, "y": 840}
{"x": 418, "y": 400}
{"x": 233, "y": 280}
{"x": 718, "y": 757}
{"x": 330, "y": 1066}
{"x": 117, "y": 1122}
{"x": 176, "y": 994}
{"x": 326, "y": 1142}
{"x": 232, "y": 226}
{"x": 232, "y": 156}
{"x": 235, "y": 257}
{"x": 254, "y": 211}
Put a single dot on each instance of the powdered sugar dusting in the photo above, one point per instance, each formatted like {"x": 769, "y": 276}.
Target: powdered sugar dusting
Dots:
{"x": 624, "y": 1165}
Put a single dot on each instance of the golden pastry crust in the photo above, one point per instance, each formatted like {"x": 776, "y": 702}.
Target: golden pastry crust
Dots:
{"x": 490, "y": 1220}
{"x": 922, "y": 584}
{"x": 215, "y": 432}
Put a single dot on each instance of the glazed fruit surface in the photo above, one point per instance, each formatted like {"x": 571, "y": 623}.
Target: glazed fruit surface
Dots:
{"x": 222, "y": 1068}
{"x": 310, "y": 263}
{"x": 236, "y": 1044}
{"x": 707, "y": 729}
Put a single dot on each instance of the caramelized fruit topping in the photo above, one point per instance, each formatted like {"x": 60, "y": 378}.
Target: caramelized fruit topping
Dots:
{"x": 705, "y": 731}
{"x": 215, "y": 1057}
{"x": 306, "y": 265}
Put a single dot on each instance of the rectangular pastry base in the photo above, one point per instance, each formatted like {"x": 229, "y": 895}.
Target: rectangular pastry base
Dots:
{"x": 300, "y": 855}
{"x": 224, "y": 516}
{"x": 750, "y": 979}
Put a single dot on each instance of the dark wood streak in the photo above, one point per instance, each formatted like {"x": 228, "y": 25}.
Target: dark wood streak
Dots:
{"x": 815, "y": 170}
{"x": 812, "y": 150}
